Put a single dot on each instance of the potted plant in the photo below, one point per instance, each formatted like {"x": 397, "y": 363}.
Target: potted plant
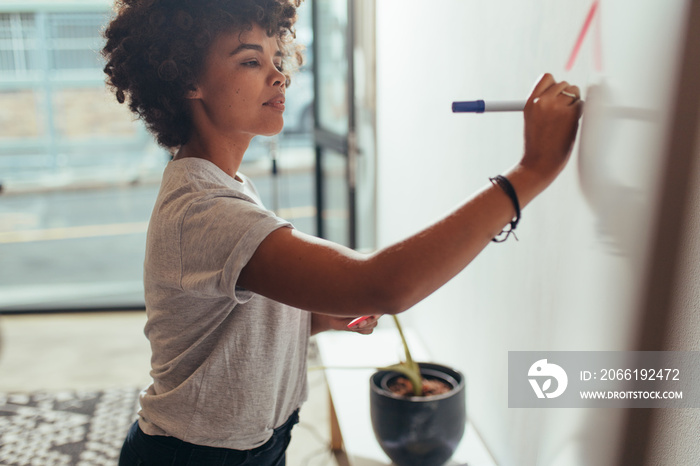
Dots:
{"x": 418, "y": 410}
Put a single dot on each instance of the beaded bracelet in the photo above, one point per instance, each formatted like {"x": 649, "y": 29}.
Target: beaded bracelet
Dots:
{"x": 503, "y": 183}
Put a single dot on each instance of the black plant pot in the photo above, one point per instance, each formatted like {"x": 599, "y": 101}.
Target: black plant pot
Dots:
{"x": 417, "y": 430}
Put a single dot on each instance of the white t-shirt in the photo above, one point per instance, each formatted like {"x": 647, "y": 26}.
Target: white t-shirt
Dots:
{"x": 228, "y": 365}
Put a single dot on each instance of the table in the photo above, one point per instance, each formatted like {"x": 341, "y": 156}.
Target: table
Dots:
{"x": 350, "y": 360}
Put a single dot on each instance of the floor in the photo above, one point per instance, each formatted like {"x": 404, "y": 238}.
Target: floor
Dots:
{"x": 99, "y": 350}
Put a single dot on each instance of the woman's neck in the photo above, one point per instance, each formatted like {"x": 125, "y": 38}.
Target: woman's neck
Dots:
{"x": 225, "y": 155}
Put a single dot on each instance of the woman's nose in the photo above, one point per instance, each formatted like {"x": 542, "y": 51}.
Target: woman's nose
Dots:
{"x": 278, "y": 78}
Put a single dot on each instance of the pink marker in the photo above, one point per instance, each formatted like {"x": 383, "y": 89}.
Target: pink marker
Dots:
{"x": 357, "y": 321}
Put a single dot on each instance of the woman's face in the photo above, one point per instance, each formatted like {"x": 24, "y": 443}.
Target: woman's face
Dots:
{"x": 240, "y": 92}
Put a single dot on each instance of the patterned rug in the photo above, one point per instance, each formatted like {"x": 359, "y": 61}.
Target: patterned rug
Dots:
{"x": 77, "y": 428}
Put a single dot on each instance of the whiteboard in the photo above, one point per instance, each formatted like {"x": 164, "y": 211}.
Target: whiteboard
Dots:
{"x": 573, "y": 280}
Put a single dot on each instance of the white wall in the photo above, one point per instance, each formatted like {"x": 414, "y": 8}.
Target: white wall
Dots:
{"x": 570, "y": 282}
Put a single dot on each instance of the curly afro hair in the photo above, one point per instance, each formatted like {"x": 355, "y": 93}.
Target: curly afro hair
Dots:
{"x": 155, "y": 52}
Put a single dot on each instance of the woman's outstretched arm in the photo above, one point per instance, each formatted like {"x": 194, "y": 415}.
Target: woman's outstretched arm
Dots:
{"x": 319, "y": 276}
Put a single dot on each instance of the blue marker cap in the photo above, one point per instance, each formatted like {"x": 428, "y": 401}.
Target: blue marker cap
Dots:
{"x": 476, "y": 106}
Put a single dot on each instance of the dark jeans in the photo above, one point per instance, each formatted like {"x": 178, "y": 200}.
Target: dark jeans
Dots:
{"x": 148, "y": 450}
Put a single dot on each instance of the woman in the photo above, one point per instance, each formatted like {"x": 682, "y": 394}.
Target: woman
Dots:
{"x": 234, "y": 292}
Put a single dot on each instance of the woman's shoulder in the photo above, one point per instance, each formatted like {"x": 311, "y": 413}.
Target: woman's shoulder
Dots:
{"x": 200, "y": 178}
{"x": 198, "y": 184}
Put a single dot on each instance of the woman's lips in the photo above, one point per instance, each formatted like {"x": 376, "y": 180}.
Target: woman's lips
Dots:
{"x": 276, "y": 103}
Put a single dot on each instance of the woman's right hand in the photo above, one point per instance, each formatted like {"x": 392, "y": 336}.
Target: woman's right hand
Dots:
{"x": 551, "y": 123}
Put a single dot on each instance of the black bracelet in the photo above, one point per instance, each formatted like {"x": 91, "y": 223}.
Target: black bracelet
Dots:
{"x": 503, "y": 183}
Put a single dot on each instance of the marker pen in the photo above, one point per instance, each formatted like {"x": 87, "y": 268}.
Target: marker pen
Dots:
{"x": 357, "y": 321}
{"x": 480, "y": 106}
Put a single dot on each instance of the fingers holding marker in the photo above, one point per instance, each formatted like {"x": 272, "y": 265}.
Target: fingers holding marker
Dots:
{"x": 572, "y": 92}
{"x": 547, "y": 91}
{"x": 545, "y": 82}
{"x": 551, "y": 122}
{"x": 558, "y": 96}
{"x": 364, "y": 324}
{"x": 548, "y": 87}
{"x": 358, "y": 321}
{"x": 553, "y": 91}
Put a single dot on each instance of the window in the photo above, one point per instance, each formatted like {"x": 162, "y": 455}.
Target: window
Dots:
{"x": 79, "y": 176}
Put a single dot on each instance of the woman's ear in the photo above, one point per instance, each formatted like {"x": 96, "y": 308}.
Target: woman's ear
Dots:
{"x": 193, "y": 93}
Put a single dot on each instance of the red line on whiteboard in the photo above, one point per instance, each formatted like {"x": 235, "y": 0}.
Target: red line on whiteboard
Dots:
{"x": 598, "y": 46}
{"x": 582, "y": 36}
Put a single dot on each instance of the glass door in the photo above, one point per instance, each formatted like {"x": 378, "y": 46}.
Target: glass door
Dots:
{"x": 334, "y": 132}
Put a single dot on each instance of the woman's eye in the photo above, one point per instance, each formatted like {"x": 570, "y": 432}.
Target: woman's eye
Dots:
{"x": 251, "y": 63}
{"x": 279, "y": 67}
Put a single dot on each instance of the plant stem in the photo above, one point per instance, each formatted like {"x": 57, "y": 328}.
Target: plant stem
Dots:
{"x": 411, "y": 368}
{"x": 408, "y": 368}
